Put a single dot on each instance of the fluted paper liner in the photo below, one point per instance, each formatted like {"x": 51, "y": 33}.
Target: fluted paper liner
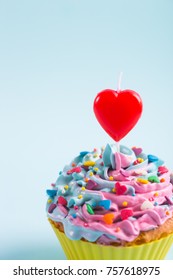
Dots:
{"x": 83, "y": 250}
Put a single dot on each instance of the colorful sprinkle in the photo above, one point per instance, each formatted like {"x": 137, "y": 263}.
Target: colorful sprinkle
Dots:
{"x": 85, "y": 225}
{"x": 77, "y": 169}
{"x": 108, "y": 218}
{"x": 167, "y": 213}
{"x": 96, "y": 169}
{"x": 117, "y": 229}
{"x": 89, "y": 209}
{"x": 66, "y": 187}
{"x": 156, "y": 194}
{"x": 83, "y": 188}
{"x": 80, "y": 196}
{"x": 91, "y": 185}
{"x": 49, "y": 200}
{"x": 74, "y": 215}
{"x": 152, "y": 158}
{"x": 126, "y": 213}
{"x": 95, "y": 155}
{"x": 95, "y": 150}
{"x": 137, "y": 151}
{"x": 89, "y": 163}
{"x": 162, "y": 180}
{"x": 120, "y": 189}
{"x": 162, "y": 169}
{"x": 142, "y": 181}
{"x": 62, "y": 200}
{"x": 51, "y": 208}
{"x": 86, "y": 180}
{"x": 153, "y": 179}
{"x": 111, "y": 178}
{"x": 73, "y": 164}
{"x": 140, "y": 160}
{"x": 91, "y": 173}
{"x": 105, "y": 203}
{"x": 125, "y": 203}
{"x": 51, "y": 193}
{"x": 76, "y": 207}
{"x": 53, "y": 185}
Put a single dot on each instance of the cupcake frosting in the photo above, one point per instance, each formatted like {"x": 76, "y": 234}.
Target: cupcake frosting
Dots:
{"x": 109, "y": 196}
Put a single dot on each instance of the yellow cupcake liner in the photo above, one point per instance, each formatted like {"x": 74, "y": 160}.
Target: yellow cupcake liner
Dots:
{"x": 83, "y": 250}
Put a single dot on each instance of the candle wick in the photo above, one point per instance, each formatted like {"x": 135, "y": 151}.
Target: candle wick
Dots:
{"x": 119, "y": 82}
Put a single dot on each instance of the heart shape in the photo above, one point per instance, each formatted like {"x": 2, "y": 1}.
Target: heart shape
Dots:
{"x": 117, "y": 112}
{"x": 120, "y": 189}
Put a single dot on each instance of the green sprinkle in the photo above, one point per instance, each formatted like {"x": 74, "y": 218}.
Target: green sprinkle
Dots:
{"x": 89, "y": 209}
{"x": 153, "y": 179}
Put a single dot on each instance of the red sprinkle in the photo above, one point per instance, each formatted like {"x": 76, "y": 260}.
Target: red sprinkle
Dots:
{"x": 51, "y": 208}
{"x": 76, "y": 169}
{"x": 53, "y": 185}
{"x": 162, "y": 169}
{"x": 76, "y": 207}
{"x": 120, "y": 189}
{"x": 62, "y": 200}
{"x": 126, "y": 213}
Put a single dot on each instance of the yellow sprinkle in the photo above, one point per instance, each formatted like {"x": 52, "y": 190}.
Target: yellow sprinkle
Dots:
{"x": 91, "y": 173}
{"x": 66, "y": 187}
{"x": 140, "y": 159}
{"x": 96, "y": 169}
{"x": 95, "y": 155}
{"x": 124, "y": 203}
{"x": 111, "y": 178}
{"x": 89, "y": 163}
{"x": 80, "y": 196}
{"x": 113, "y": 190}
{"x": 142, "y": 181}
{"x": 83, "y": 189}
{"x": 49, "y": 200}
{"x": 156, "y": 194}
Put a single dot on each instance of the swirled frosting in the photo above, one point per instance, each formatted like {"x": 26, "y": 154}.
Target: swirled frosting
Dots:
{"x": 108, "y": 196}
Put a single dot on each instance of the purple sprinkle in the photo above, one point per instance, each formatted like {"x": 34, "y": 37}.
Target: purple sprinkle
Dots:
{"x": 91, "y": 185}
{"x": 51, "y": 208}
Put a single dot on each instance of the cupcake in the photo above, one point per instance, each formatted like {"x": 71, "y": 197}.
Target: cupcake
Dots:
{"x": 109, "y": 204}
{"x": 116, "y": 202}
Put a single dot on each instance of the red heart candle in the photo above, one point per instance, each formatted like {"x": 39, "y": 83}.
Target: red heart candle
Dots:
{"x": 117, "y": 111}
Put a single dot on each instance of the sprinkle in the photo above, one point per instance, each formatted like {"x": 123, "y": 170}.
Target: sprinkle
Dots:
{"x": 167, "y": 212}
{"x": 108, "y": 218}
{"x": 125, "y": 203}
{"x": 53, "y": 185}
{"x": 62, "y": 200}
{"x": 95, "y": 155}
{"x": 111, "y": 178}
{"x": 142, "y": 181}
{"x": 86, "y": 180}
{"x": 75, "y": 169}
{"x": 156, "y": 194}
{"x": 66, "y": 187}
{"x": 105, "y": 203}
{"x": 140, "y": 160}
{"x": 162, "y": 180}
{"x": 96, "y": 169}
{"x": 51, "y": 193}
{"x": 74, "y": 215}
{"x": 91, "y": 185}
{"x": 153, "y": 179}
{"x": 89, "y": 209}
{"x": 155, "y": 203}
{"x": 49, "y": 200}
{"x": 95, "y": 150}
{"x": 137, "y": 151}
{"x": 151, "y": 199}
{"x": 89, "y": 163}
{"x": 91, "y": 174}
{"x": 100, "y": 156}
{"x": 51, "y": 208}
{"x": 126, "y": 213}
{"x": 83, "y": 188}
{"x": 114, "y": 190}
{"x": 80, "y": 196}
{"x": 120, "y": 189}
{"x": 101, "y": 163}
{"x": 73, "y": 164}
{"x": 162, "y": 169}
{"x": 152, "y": 158}
{"x": 146, "y": 205}
{"x": 117, "y": 229}
{"x": 85, "y": 225}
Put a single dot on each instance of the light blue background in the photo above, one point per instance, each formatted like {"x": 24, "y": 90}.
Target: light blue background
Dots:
{"x": 55, "y": 56}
